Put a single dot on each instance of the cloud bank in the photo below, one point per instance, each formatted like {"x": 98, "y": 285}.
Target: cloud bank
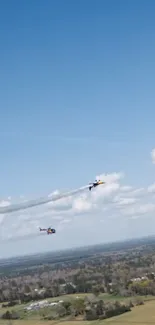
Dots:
{"x": 111, "y": 205}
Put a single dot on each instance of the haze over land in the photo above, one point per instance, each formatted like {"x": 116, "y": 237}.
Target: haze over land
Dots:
{"x": 91, "y": 283}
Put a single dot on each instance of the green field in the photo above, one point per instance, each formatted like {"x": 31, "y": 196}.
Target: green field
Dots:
{"x": 64, "y": 298}
{"x": 139, "y": 315}
{"x": 144, "y": 314}
{"x": 104, "y": 296}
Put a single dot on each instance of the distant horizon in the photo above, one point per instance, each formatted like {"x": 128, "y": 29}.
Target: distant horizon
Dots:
{"x": 78, "y": 247}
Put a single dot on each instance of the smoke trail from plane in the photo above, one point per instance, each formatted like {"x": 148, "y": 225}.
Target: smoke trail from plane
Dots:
{"x": 40, "y": 201}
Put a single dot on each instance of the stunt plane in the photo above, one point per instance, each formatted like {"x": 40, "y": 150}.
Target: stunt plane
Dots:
{"x": 96, "y": 183}
{"x": 48, "y": 230}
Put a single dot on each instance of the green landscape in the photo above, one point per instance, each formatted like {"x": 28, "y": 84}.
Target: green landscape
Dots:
{"x": 112, "y": 283}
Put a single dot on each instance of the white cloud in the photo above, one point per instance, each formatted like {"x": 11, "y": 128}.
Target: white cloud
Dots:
{"x": 92, "y": 214}
{"x": 82, "y": 204}
{"x": 126, "y": 201}
{"x": 151, "y": 188}
{"x": 153, "y": 155}
{"x": 138, "y": 191}
{"x": 4, "y": 203}
{"x": 126, "y": 188}
{"x": 140, "y": 209}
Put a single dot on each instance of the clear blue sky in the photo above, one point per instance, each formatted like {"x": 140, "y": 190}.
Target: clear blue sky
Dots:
{"x": 71, "y": 70}
{"x": 77, "y": 81}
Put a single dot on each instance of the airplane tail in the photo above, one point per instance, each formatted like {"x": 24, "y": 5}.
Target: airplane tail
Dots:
{"x": 42, "y": 229}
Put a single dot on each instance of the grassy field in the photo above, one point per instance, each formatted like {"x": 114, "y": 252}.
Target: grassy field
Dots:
{"x": 139, "y": 315}
{"x": 104, "y": 296}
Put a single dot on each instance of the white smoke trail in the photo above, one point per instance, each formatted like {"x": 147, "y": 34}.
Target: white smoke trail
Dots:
{"x": 40, "y": 201}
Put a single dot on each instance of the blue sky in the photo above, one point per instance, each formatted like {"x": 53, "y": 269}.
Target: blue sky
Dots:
{"x": 77, "y": 93}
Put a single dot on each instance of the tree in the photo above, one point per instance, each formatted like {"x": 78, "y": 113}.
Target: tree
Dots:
{"x": 96, "y": 291}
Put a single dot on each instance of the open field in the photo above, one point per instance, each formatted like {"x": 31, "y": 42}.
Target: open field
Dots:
{"x": 139, "y": 315}
{"x": 133, "y": 271}
{"x": 145, "y": 312}
{"x": 69, "y": 297}
{"x": 105, "y": 297}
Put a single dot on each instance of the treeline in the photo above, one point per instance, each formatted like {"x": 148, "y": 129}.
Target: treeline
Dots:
{"x": 123, "y": 274}
{"x": 90, "y": 308}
